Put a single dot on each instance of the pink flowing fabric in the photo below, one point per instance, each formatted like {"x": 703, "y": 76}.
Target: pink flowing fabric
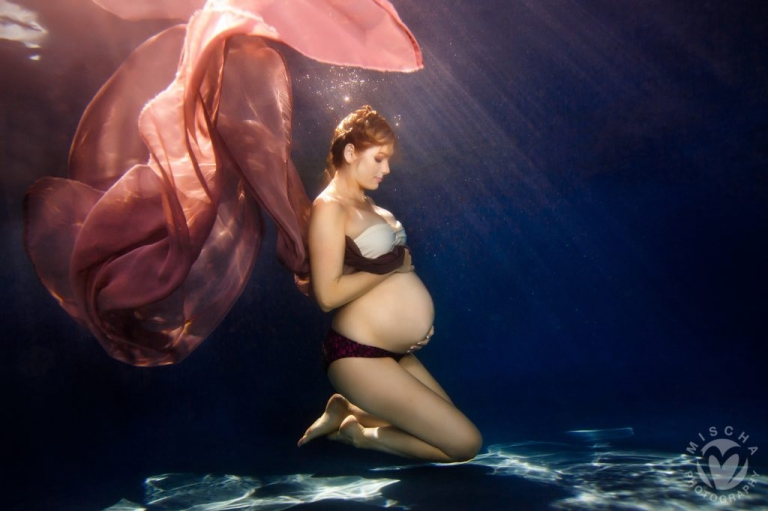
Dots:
{"x": 152, "y": 238}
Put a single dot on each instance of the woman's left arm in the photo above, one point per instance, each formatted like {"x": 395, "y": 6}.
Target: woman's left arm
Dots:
{"x": 331, "y": 286}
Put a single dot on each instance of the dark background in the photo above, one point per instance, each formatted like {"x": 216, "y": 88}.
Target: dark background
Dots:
{"x": 584, "y": 189}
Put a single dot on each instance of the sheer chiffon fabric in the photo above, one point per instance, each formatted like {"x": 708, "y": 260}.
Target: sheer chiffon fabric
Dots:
{"x": 152, "y": 238}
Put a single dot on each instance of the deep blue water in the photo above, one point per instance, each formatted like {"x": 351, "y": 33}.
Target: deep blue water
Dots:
{"x": 584, "y": 188}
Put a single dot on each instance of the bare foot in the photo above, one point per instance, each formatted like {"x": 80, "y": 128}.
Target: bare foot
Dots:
{"x": 335, "y": 412}
{"x": 350, "y": 432}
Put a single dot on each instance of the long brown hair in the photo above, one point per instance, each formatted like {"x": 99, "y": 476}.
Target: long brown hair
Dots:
{"x": 363, "y": 128}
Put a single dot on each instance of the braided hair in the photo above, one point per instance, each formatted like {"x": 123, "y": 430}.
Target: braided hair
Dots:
{"x": 363, "y": 128}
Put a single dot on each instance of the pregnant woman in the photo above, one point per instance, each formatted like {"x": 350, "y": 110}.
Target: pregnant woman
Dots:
{"x": 360, "y": 267}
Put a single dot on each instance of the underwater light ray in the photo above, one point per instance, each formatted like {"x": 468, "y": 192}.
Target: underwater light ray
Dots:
{"x": 592, "y": 52}
{"x": 472, "y": 131}
{"x": 555, "y": 47}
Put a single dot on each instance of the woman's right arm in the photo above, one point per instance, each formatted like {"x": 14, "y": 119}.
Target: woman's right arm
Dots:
{"x": 326, "y": 251}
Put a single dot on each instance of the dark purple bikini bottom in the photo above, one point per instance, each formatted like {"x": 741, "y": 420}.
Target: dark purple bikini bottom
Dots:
{"x": 336, "y": 346}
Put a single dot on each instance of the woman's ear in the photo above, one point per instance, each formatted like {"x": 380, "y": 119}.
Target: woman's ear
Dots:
{"x": 349, "y": 153}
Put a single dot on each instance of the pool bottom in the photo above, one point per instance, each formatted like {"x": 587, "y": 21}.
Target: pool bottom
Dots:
{"x": 523, "y": 475}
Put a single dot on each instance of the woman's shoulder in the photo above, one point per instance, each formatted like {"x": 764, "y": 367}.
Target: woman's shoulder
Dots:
{"x": 327, "y": 201}
{"x": 327, "y": 207}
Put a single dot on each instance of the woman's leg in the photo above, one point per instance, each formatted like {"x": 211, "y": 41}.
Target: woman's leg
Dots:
{"x": 423, "y": 422}
{"x": 339, "y": 408}
{"x": 411, "y": 364}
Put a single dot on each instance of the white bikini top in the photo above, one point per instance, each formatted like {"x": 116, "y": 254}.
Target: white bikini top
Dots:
{"x": 380, "y": 238}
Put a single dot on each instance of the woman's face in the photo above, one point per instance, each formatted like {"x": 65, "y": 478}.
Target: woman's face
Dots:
{"x": 371, "y": 165}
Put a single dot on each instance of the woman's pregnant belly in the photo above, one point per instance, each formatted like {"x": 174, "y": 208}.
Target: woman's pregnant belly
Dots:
{"x": 394, "y": 315}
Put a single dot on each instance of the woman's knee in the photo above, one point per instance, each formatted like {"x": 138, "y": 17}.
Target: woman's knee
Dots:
{"x": 465, "y": 447}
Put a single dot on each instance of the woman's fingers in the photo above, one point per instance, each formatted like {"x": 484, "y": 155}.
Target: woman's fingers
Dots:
{"x": 428, "y": 336}
{"x": 424, "y": 341}
{"x": 407, "y": 265}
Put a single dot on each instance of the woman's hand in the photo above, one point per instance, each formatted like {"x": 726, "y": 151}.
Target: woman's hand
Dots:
{"x": 407, "y": 265}
{"x": 424, "y": 341}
